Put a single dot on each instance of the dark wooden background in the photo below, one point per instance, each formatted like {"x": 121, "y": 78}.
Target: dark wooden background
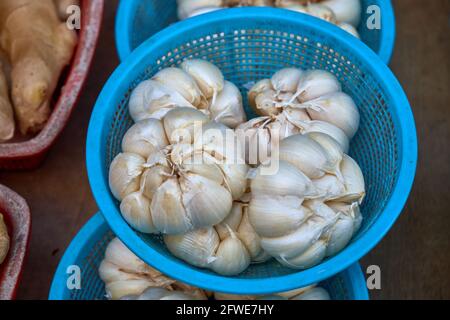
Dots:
{"x": 414, "y": 257}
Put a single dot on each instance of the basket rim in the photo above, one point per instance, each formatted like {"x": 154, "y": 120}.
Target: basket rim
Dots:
{"x": 18, "y": 218}
{"x": 126, "y": 9}
{"x": 72, "y": 253}
{"x": 214, "y": 282}
{"x": 97, "y": 224}
{"x": 70, "y": 91}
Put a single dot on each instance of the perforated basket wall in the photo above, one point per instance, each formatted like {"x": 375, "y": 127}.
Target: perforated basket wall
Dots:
{"x": 247, "y": 45}
{"x": 138, "y": 20}
{"x": 88, "y": 247}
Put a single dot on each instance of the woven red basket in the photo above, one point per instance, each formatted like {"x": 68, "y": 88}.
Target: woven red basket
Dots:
{"x": 18, "y": 221}
{"x": 31, "y": 153}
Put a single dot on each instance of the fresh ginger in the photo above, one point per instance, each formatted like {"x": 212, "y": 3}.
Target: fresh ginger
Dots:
{"x": 6, "y": 112}
{"x": 4, "y": 240}
{"x": 39, "y": 45}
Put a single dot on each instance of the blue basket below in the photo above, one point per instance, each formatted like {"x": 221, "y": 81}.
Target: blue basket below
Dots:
{"x": 138, "y": 20}
{"x": 87, "y": 249}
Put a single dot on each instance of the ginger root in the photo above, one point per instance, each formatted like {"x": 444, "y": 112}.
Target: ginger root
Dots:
{"x": 6, "y": 112}
{"x": 4, "y": 240}
{"x": 39, "y": 45}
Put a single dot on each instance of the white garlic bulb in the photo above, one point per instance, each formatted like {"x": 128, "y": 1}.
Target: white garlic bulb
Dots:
{"x": 208, "y": 77}
{"x": 316, "y": 83}
{"x": 180, "y": 81}
{"x": 228, "y": 248}
{"x": 294, "y": 101}
{"x": 196, "y": 84}
{"x": 227, "y": 107}
{"x": 185, "y": 182}
{"x": 125, "y": 173}
{"x": 349, "y": 28}
{"x": 289, "y": 209}
{"x": 152, "y": 99}
{"x": 126, "y": 276}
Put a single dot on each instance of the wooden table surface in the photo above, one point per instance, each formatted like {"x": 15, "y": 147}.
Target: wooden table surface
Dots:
{"x": 414, "y": 257}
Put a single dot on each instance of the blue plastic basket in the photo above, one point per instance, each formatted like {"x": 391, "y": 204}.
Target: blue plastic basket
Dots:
{"x": 88, "y": 247}
{"x": 248, "y": 45}
{"x": 138, "y": 20}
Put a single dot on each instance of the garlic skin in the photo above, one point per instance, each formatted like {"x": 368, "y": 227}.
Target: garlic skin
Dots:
{"x": 197, "y": 84}
{"x": 320, "y": 11}
{"x": 178, "y": 80}
{"x": 144, "y": 138}
{"x": 338, "y": 109}
{"x": 309, "y": 209}
{"x": 227, "y": 248}
{"x": 168, "y": 191}
{"x": 317, "y": 83}
{"x": 127, "y": 277}
{"x": 308, "y": 293}
{"x": 208, "y": 77}
{"x": 124, "y": 174}
{"x": 295, "y": 101}
{"x": 152, "y": 99}
{"x": 286, "y": 80}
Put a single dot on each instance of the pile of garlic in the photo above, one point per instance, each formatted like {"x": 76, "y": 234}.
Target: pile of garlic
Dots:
{"x": 128, "y": 277}
{"x": 295, "y": 101}
{"x": 345, "y": 14}
{"x": 172, "y": 182}
{"x": 196, "y": 84}
{"x": 309, "y": 209}
{"x": 218, "y": 213}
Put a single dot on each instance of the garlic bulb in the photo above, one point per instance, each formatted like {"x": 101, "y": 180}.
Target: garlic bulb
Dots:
{"x": 228, "y": 248}
{"x": 309, "y": 209}
{"x": 294, "y": 101}
{"x": 153, "y": 99}
{"x": 336, "y": 108}
{"x": 187, "y": 180}
{"x": 186, "y": 8}
{"x": 126, "y": 276}
{"x": 308, "y": 293}
{"x": 196, "y": 84}
{"x": 227, "y": 107}
{"x": 4, "y": 240}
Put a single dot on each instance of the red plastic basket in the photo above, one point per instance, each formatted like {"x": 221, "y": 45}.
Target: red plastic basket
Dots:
{"x": 31, "y": 153}
{"x": 18, "y": 221}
